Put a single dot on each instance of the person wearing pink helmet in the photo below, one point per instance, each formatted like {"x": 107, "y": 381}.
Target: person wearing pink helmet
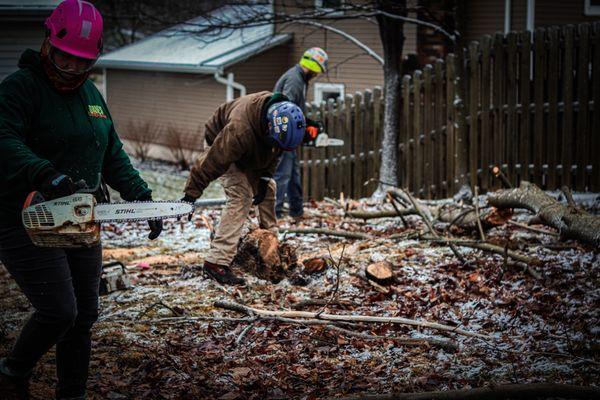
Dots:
{"x": 55, "y": 129}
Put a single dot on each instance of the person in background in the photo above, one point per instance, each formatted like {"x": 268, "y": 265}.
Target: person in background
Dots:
{"x": 246, "y": 137}
{"x": 55, "y": 129}
{"x": 294, "y": 84}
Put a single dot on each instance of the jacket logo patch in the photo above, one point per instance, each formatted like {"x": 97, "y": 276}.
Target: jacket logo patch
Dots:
{"x": 96, "y": 111}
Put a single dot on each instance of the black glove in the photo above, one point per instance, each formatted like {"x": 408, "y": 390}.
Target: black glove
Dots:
{"x": 156, "y": 227}
{"x": 189, "y": 199}
{"x": 53, "y": 184}
{"x": 261, "y": 192}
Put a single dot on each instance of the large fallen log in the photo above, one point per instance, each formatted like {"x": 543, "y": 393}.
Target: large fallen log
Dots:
{"x": 347, "y": 318}
{"x": 466, "y": 217}
{"x": 569, "y": 221}
{"x": 500, "y": 392}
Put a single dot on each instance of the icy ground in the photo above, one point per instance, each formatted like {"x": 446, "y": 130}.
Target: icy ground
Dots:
{"x": 543, "y": 330}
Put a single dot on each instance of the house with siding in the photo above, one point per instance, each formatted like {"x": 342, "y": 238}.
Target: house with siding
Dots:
{"x": 21, "y": 27}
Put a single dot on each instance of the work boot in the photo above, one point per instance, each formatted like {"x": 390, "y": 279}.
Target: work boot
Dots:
{"x": 222, "y": 274}
{"x": 12, "y": 385}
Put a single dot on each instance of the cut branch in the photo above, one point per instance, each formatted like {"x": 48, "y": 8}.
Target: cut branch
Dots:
{"x": 567, "y": 219}
{"x": 516, "y": 391}
{"x": 347, "y": 318}
{"x": 328, "y": 232}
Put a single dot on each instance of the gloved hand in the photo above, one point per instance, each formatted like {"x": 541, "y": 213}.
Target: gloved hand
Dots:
{"x": 156, "y": 227}
{"x": 311, "y": 133}
{"x": 261, "y": 191}
{"x": 189, "y": 199}
{"x": 53, "y": 184}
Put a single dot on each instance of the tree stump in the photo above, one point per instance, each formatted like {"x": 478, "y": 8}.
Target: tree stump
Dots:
{"x": 261, "y": 254}
{"x": 380, "y": 272}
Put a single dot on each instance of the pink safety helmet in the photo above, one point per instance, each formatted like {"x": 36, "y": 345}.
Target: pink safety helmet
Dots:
{"x": 75, "y": 27}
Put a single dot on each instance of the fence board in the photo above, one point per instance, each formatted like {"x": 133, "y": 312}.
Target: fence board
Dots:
{"x": 474, "y": 90}
{"x": 367, "y": 139}
{"x": 427, "y": 127}
{"x": 405, "y": 143}
{"x": 438, "y": 159}
{"x": 524, "y": 138}
{"x": 358, "y": 160}
{"x": 348, "y": 146}
{"x": 451, "y": 122}
{"x": 582, "y": 136}
{"x": 552, "y": 124}
{"x": 486, "y": 132}
{"x": 538, "y": 135}
{"x": 510, "y": 137}
{"x": 417, "y": 132}
{"x": 377, "y": 130}
{"x": 498, "y": 95}
{"x": 566, "y": 159}
{"x": 595, "y": 180}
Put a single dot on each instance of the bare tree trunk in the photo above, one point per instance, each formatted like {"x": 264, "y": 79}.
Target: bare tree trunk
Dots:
{"x": 391, "y": 33}
{"x": 568, "y": 220}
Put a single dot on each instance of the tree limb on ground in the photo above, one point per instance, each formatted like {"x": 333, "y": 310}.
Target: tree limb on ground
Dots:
{"x": 328, "y": 232}
{"x": 569, "y": 221}
{"x": 348, "y": 318}
{"x": 500, "y": 392}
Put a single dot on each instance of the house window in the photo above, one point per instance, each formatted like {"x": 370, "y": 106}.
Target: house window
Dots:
{"x": 326, "y": 91}
{"x": 592, "y": 7}
{"x": 330, "y": 6}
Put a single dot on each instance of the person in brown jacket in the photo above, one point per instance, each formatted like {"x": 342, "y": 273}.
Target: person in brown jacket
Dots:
{"x": 245, "y": 136}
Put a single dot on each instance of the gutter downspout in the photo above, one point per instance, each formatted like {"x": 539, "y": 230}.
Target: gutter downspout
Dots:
{"x": 507, "y": 22}
{"x": 230, "y": 83}
{"x": 530, "y": 15}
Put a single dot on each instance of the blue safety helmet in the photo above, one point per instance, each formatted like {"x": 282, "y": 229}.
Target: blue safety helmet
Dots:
{"x": 286, "y": 125}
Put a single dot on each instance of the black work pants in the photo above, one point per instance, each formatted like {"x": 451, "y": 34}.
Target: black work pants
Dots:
{"x": 62, "y": 285}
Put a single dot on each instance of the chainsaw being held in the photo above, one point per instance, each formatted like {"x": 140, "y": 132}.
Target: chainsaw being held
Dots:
{"x": 74, "y": 221}
{"x": 316, "y": 137}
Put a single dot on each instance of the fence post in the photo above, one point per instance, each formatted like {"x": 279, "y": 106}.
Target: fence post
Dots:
{"x": 331, "y": 182}
{"x": 460, "y": 148}
{"x": 566, "y": 158}
{"x": 525, "y": 100}
{"x": 583, "y": 133}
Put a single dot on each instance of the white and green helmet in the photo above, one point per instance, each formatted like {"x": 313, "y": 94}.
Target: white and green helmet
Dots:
{"x": 315, "y": 59}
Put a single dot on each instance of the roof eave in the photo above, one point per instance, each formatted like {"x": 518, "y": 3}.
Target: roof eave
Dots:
{"x": 156, "y": 67}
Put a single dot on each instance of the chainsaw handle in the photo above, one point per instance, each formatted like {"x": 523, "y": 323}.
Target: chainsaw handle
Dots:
{"x": 82, "y": 187}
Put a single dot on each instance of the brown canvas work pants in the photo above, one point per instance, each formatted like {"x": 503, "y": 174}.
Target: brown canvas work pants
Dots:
{"x": 239, "y": 187}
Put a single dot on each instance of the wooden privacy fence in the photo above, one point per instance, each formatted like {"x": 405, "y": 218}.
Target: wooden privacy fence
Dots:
{"x": 521, "y": 101}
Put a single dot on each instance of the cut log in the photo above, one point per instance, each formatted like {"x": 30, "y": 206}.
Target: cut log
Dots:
{"x": 569, "y": 221}
{"x": 261, "y": 254}
{"x": 380, "y": 272}
{"x": 315, "y": 265}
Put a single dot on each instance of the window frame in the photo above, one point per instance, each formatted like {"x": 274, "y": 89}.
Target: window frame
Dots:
{"x": 590, "y": 10}
{"x": 321, "y": 87}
